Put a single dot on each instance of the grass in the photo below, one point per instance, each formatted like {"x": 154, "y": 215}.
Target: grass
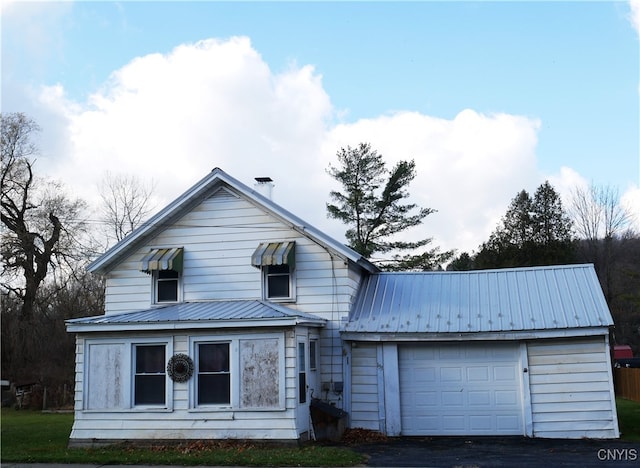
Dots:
{"x": 34, "y": 437}
{"x": 629, "y": 419}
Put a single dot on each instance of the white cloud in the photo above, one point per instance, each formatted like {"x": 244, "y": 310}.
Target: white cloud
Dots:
{"x": 630, "y": 200}
{"x": 634, "y": 15}
{"x": 468, "y": 168}
{"x": 174, "y": 117}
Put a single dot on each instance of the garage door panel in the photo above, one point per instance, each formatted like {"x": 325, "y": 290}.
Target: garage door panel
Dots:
{"x": 480, "y": 423}
{"x": 452, "y": 399}
{"x": 507, "y": 398}
{"x": 478, "y": 374}
{"x": 479, "y": 398}
{"x": 505, "y": 374}
{"x": 451, "y": 374}
{"x": 449, "y": 352}
{"x": 460, "y": 389}
{"x": 454, "y": 423}
{"x": 509, "y": 423}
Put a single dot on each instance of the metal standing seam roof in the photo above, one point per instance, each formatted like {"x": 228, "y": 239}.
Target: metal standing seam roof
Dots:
{"x": 515, "y": 299}
{"x": 197, "y": 312}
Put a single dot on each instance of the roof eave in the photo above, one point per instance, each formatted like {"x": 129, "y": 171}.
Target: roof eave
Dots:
{"x": 475, "y": 336}
{"x": 74, "y": 327}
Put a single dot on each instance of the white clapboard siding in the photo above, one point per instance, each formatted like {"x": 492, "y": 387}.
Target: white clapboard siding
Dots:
{"x": 268, "y": 425}
{"x": 183, "y": 422}
{"x": 219, "y": 236}
{"x": 571, "y": 389}
{"x": 364, "y": 387}
{"x": 79, "y": 369}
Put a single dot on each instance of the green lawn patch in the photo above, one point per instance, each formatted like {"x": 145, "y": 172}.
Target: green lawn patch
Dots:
{"x": 34, "y": 437}
{"x": 629, "y": 419}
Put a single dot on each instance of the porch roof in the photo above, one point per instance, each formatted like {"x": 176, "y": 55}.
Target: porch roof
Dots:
{"x": 210, "y": 314}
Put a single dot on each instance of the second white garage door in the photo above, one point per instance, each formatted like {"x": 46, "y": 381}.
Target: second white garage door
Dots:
{"x": 460, "y": 389}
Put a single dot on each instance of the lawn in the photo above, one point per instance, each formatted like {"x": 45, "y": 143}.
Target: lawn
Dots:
{"x": 34, "y": 437}
{"x": 629, "y": 419}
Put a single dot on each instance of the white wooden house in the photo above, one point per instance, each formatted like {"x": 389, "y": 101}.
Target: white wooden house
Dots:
{"x": 226, "y": 315}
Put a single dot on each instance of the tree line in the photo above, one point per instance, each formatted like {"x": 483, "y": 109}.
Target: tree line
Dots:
{"x": 48, "y": 238}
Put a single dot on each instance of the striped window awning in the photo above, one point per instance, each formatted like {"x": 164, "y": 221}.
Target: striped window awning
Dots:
{"x": 274, "y": 253}
{"x": 162, "y": 259}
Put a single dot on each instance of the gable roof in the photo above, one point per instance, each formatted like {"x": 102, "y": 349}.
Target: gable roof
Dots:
{"x": 198, "y": 192}
{"x": 190, "y": 315}
{"x": 482, "y": 301}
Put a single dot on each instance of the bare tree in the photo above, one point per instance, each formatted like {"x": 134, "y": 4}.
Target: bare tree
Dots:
{"x": 604, "y": 227}
{"x": 126, "y": 204}
{"x": 40, "y": 223}
{"x": 598, "y": 214}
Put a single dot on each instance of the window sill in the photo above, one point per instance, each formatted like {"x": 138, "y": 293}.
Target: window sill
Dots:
{"x": 129, "y": 410}
{"x": 227, "y": 413}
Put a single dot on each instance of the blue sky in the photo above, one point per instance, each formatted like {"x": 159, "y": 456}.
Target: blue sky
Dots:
{"x": 488, "y": 97}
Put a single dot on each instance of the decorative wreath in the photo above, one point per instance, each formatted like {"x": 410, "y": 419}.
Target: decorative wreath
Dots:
{"x": 180, "y": 367}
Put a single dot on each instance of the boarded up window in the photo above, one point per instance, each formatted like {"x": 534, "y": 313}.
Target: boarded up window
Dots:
{"x": 107, "y": 376}
{"x": 259, "y": 373}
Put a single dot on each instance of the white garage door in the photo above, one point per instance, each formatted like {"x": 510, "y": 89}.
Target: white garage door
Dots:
{"x": 460, "y": 389}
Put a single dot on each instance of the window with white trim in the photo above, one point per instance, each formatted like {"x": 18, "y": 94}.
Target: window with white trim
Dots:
{"x": 313, "y": 354}
{"x": 149, "y": 375}
{"x": 276, "y": 261}
{"x": 166, "y": 286}
{"x": 302, "y": 373}
{"x": 213, "y": 373}
{"x": 279, "y": 282}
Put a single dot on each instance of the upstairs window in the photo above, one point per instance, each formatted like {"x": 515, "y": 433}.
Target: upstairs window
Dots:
{"x": 277, "y": 282}
{"x": 165, "y": 267}
{"x": 166, "y": 286}
{"x": 277, "y": 262}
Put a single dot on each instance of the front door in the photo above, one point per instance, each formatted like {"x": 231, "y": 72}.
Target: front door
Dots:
{"x": 302, "y": 368}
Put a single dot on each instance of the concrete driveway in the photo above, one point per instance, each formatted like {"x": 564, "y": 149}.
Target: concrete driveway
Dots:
{"x": 499, "y": 452}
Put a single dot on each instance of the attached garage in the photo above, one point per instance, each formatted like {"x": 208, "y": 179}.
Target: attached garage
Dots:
{"x": 460, "y": 389}
{"x": 519, "y": 351}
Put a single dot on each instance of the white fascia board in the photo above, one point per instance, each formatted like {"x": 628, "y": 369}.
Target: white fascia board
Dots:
{"x": 483, "y": 336}
{"x": 195, "y": 325}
